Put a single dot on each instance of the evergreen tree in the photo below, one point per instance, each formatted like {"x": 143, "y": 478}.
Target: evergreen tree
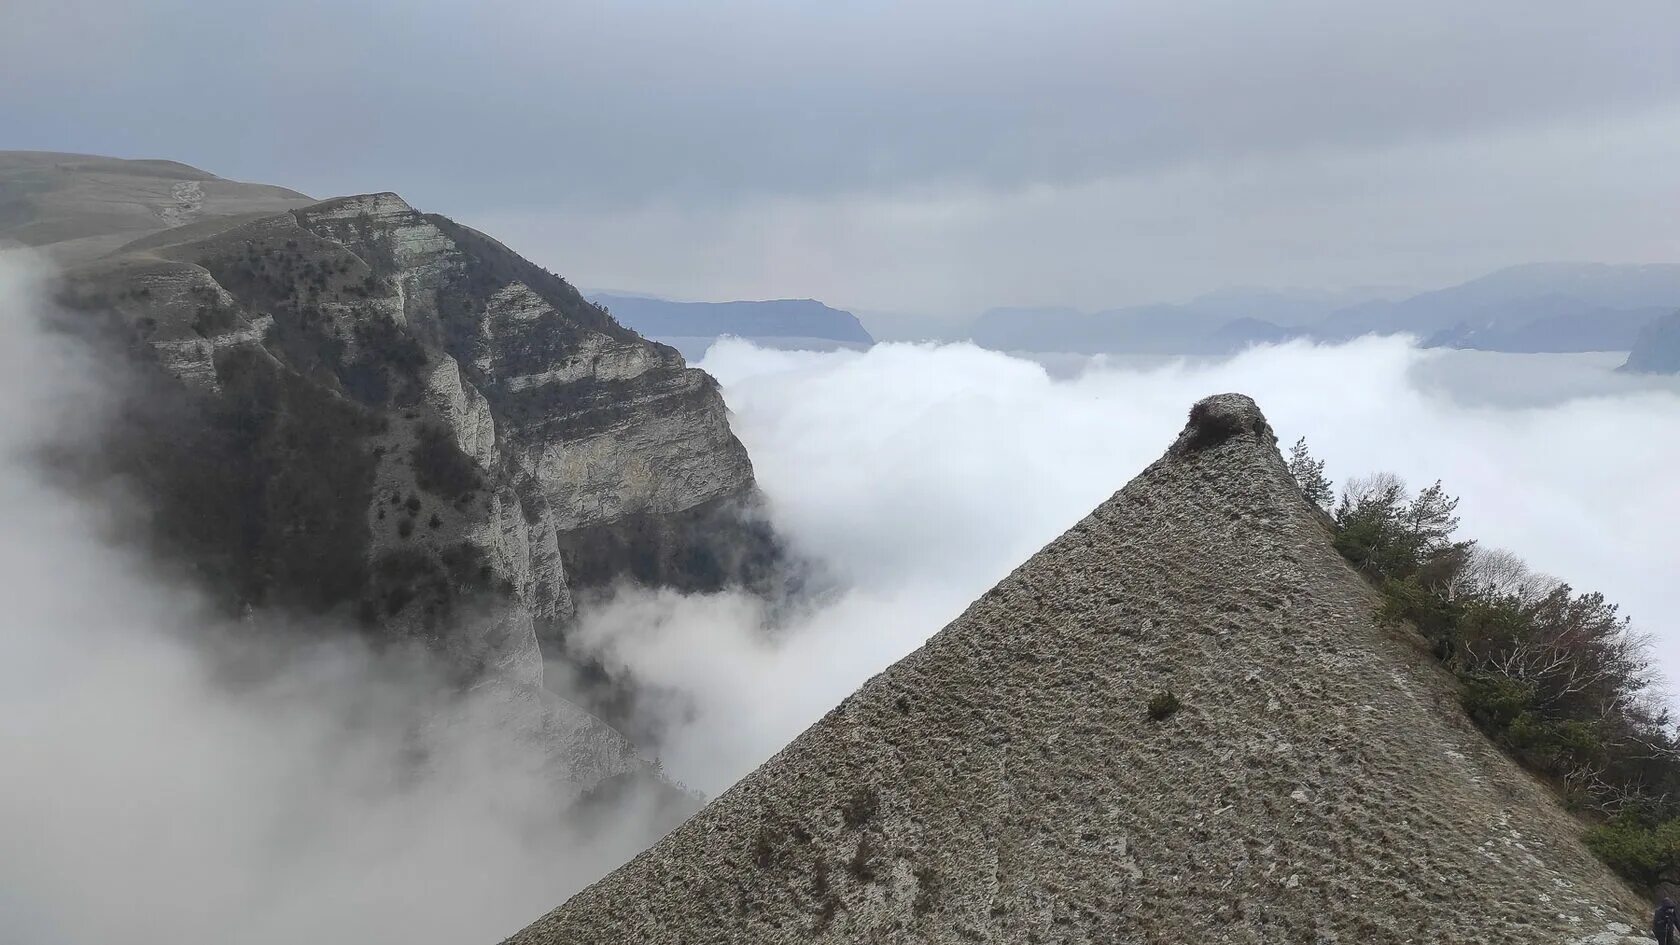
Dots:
{"x": 1309, "y": 474}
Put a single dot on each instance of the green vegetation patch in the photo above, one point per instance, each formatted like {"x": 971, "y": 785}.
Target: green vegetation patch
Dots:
{"x": 1162, "y": 706}
{"x": 1556, "y": 678}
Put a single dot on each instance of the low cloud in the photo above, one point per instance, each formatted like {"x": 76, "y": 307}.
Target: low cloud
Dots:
{"x": 920, "y": 475}
{"x": 171, "y": 777}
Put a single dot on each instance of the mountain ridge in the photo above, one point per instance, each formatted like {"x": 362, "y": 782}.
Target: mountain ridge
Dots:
{"x": 1179, "y": 721}
{"x": 1529, "y": 308}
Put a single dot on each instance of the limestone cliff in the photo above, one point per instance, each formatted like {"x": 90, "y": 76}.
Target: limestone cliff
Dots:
{"x": 1178, "y": 722}
{"x": 354, "y": 409}
{"x": 512, "y": 429}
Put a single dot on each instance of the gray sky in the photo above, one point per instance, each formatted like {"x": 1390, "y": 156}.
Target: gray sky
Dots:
{"x": 935, "y": 157}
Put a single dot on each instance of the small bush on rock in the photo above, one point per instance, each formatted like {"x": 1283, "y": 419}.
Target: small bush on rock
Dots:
{"x": 1162, "y": 705}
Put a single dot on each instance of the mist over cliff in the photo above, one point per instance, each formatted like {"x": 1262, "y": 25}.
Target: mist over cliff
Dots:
{"x": 172, "y": 775}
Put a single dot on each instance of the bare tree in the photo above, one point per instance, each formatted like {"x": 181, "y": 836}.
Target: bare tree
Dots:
{"x": 1498, "y": 571}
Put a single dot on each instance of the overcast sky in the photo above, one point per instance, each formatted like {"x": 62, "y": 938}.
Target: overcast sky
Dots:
{"x": 932, "y": 157}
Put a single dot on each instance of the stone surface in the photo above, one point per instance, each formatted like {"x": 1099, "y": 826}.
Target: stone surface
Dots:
{"x": 1007, "y": 782}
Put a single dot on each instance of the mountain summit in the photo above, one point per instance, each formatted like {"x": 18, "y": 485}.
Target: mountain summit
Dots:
{"x": 1178, "y": 722}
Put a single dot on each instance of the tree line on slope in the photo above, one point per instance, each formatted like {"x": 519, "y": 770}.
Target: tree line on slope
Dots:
{"x": 1559, "y": 679}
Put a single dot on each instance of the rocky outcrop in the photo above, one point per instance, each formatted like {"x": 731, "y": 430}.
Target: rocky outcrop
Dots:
{"x": 1178, "y": 722}
{"x": 524, "y": 421}
{"x": 1657, "y": 349}
{"x": 356, "y": 409}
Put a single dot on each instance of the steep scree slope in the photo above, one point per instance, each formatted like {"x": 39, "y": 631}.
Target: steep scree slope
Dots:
{"x": 1006, "y": 782}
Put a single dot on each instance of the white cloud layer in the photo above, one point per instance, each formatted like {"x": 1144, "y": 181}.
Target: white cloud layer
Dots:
{"x": 147, "y": 798}
{"x": 149, "y": 795}
{"x": 924, "y": 474}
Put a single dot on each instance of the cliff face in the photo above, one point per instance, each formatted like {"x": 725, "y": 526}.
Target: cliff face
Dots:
{"x": 1024, "y": 777}
{"x": 1657, "y": 349}
{"x": 353, "y": 409}
{"x": 494, "y": 440}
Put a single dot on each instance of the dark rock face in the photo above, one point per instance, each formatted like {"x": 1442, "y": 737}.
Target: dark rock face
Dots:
{"x": 352, "y": 408}
{"x": 1657, "y": 349}
{"x": 1178, "y": 722}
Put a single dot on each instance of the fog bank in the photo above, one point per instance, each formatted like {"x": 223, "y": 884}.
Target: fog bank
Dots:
{"x": 322, "y": 793}
{"x": 330, "y": 793}
{"x": 922, "y": 474}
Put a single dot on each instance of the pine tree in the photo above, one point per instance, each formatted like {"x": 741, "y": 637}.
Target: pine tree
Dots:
{"x": 1309, "y": 474}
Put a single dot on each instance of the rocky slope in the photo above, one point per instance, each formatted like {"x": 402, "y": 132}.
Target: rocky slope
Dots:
{"x": 1023, "y": 777}
{"x": 353, "y": 409}
{"x": 1657, "y": 349}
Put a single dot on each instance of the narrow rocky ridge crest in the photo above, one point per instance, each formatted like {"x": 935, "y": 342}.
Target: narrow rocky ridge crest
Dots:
{"x": 1013, "y": 781}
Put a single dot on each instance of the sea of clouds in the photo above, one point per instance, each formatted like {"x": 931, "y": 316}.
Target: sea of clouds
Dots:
{"x": 147, "y": 798}
{"x": 922, "y": 474}
{"x": 168, "y": 777}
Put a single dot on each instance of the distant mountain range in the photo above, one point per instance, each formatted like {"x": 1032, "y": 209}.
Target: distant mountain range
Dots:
{"x": 1535, "y": 308}
{"x": 1148, "y": 329}
{"x": 691, "y": 327}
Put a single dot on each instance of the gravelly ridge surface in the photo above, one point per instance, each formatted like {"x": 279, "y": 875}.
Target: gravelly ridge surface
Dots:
{"x": 1005, "y": 783}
